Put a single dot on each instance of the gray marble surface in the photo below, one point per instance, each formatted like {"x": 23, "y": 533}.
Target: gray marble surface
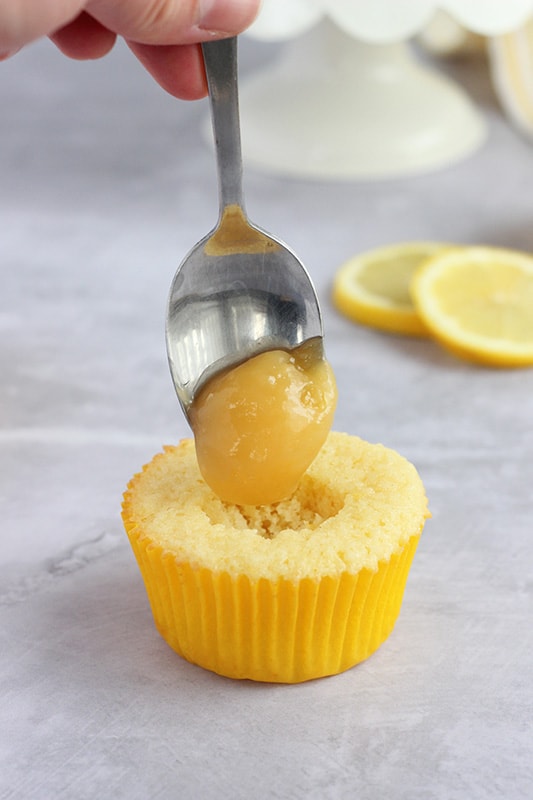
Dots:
{"x": 105, "y": 183}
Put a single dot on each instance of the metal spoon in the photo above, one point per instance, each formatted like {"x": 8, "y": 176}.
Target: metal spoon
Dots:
{"x": 239, "y": 291}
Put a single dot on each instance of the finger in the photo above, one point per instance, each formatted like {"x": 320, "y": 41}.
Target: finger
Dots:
{"x": 84, "y": 38}
{"x": 5, "y": 54}
{"x": 24, "y": 21}
{"x": 169, "y": 22}
{"x": 177, "y": 68}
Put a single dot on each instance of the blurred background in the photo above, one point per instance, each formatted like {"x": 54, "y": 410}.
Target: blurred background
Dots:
{"x": 105, "y": 184}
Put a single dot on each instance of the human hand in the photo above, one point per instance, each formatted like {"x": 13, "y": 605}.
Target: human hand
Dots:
{"x": 163, "y": 34}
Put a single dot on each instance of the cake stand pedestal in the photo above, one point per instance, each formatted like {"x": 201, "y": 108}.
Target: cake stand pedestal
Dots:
{"x": 335, "y": 107}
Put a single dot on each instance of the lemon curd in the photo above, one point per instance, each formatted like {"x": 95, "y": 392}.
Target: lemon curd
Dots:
{"x": 259, "y": 425}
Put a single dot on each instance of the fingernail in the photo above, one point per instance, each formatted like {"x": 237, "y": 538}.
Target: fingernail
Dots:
{"x": 226, "y": 16}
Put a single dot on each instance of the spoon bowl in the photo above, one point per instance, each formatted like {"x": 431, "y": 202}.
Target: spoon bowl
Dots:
{"x": 240, "y": 291}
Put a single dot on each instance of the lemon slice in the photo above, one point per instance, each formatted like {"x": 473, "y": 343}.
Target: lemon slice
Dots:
{"x": 373, "y": 288}
{"x": 478, "y": 302}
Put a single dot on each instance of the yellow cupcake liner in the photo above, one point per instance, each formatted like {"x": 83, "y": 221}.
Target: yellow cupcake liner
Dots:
{"x": 511, "y": 63}
{"x": 279, "y": 631}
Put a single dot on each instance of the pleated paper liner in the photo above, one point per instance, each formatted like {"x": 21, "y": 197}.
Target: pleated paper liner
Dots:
{"x": 276, "y": 631}
{"x": 511, "y": 61}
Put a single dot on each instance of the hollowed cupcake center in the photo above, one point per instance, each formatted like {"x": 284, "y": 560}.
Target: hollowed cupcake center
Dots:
{"x": 312, "y": 504}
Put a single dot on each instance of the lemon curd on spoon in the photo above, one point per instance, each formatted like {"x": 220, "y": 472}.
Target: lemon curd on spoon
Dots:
{"x": 259, "y": 425}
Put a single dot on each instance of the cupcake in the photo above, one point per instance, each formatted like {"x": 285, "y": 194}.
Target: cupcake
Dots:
{"x": 299, "y": 589}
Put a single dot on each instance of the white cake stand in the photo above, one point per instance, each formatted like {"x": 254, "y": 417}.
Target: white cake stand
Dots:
{"x": 348, "y": 99}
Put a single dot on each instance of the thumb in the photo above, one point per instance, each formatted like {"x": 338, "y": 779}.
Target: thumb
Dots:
{"x": 168, "y": 22}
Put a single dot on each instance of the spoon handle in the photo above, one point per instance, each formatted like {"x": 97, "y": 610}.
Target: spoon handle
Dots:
{"x": 220, "y": 59}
